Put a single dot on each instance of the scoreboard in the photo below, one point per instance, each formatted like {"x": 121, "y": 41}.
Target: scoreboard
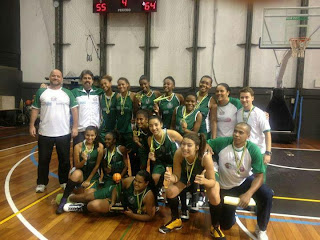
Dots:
{"x": 124, "y": 6}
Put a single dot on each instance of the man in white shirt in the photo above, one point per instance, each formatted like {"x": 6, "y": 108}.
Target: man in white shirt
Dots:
{"x": 87, "y": 97}
{"x": 256, "y": 118}
{"x": 54, "y": 104}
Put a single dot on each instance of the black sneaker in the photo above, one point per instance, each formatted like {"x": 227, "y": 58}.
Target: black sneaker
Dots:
{"x": 185, "y": 215}
{"x": 172, "y": 225}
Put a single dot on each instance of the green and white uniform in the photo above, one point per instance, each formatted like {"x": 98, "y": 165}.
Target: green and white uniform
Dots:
{"x": 90, "y": 164}
{"x": 163, "y": 153}
{"x": 108, "y": 109}
{"x": 124, "y": 111}
{"x": 117, "y": 165}
{"x": 130, "y": 200}
{"x": 190, "y": 119}
{"x": 147, "y": 101}
{"x": 52, "y": 102}
{"x": 89, "y": 107}
{"x": 186, "y": 169}
{"x": 203, "y": 107}
{"x": 227, "y": 117}
{"x": 259, "y": 123}
{"x": 167, "y": 107}
{"x": 234, "y": 172}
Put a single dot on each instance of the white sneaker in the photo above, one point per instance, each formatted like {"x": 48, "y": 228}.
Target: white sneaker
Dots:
{"x": 261, "y": 235}
{"x": 63, "y": 186}
{"x": 40, "y": 188}
{"x": 73, "y": 207}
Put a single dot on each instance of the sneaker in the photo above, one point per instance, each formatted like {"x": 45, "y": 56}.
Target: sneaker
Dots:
{"x": 63, "y": 186}
{"x": 61, "y": 205}
{"x": 172, "y": 225}
{"x": 216, "y": 233}
{"x": 261, "y": 235}
{"x": 40, "y": 188}
{"x": 185, "y": 215}
{"x": 73, "y": 207}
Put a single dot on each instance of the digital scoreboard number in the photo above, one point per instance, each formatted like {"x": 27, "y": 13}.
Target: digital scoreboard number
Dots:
{"x": 124, "y": 6}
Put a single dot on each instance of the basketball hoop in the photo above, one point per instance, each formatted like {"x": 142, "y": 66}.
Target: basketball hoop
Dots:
{"x": 298, "y": 46}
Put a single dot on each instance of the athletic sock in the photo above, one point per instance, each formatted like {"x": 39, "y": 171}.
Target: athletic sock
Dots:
{"x": 69, "y": 188}
{"x": 215, "y": 212}
{"x": 183, "y": 200}
{"x": 174, "y": 204}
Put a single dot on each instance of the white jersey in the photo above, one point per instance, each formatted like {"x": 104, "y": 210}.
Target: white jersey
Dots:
{"x": 227, "y": 117}
{"x": 89, "y": 107}
{"x": 232, "y": 174}
{"x": 259, "y": 125}
{"x": 54, "y": 106}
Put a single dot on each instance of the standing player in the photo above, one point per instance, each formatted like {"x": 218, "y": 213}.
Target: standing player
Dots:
{"x": 256, "y": 118}
{"x": 166, "y": 103}
{"x": 192, "y": 164}
{"x": 227, "y": 110}
{"x": 145, "y": 98}
{"x": 241, "y": 171}
{"x": 187, "y": 118}
{"x": 55, "y": 103}
{"x": 108, "y": 107}
{"x": 208, "y": 107}
{"x": 87, "y": 97}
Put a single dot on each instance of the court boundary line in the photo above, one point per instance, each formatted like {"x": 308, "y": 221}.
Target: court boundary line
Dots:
{"x": 283, "y": 215}
{"x": 5, "y": 149}
{"x": 294, "y": 168}
{"x": 297, "y": 149}
{"x": 13, "y": 206}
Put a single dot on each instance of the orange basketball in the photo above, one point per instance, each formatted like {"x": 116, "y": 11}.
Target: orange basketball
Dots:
{"x": 28, "y": 102}
{"x": 116, "y": 177}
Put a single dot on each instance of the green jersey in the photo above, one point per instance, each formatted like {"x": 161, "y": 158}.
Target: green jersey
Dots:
{"x": 167, "y": 107}
{"x": 108, "y": 109}
{"x": 203, "y": 107}
{"x": 113, "y": 160}
{"x": 187, "y": 173}
{"x": 164, "y": 152}
{"x": 130, "y": 199}
{"x": 147, "y": 101}
{"x": 190, "y": 118}
{"x": 124, "y": 110}
{"x": 91, "y": 162}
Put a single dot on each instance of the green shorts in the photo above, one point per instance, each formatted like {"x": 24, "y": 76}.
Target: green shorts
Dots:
{"x": 159, "y": 169}
{"x": 106, "y": 190}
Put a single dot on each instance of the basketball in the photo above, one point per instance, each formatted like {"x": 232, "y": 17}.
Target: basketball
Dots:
{"x": 116, "y": 177}
{"x": 28, "y": 102}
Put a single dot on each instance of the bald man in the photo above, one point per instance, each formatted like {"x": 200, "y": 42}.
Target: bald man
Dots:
{"x": 241, "y": 170}
{"x": 54, "y": 104}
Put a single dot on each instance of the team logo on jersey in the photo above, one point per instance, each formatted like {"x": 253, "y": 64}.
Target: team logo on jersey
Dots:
{"x": 95, "y": 99}
{"x": 147, "y": 101}
{"x": 131, "y": 199}
{"x": 228, "y": 165}
{"x": 53, "y": 99}
{"x": 170, "y": 105}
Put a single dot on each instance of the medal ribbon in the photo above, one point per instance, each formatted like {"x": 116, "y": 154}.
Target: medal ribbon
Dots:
{"x": 163, "y": 97}
{"x": 108, "y": 102}
{"x": 239, "y": 162}
{"x": 139, "y": 202}
{"x": 152, "y": 149}
{"x": 110, "y": 155}
{"x": 243, "y": 118}
{"x": 199, "y": 103}
{"x": 123, "y": 102}
{"x": 189, "y": 174}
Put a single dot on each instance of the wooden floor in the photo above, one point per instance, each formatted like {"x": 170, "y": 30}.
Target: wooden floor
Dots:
{"x": 40, "y": 221}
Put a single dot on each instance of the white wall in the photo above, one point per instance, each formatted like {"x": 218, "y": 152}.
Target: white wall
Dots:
{"x": 171, "y": 32}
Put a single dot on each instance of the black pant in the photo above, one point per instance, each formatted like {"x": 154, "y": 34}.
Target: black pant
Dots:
{"x": 45, "y": 145}
{"x": 263, "y": 197}
{"x": 79, "y": 138}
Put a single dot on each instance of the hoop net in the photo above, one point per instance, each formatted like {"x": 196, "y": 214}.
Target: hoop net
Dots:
{"x": 298, "y": 46}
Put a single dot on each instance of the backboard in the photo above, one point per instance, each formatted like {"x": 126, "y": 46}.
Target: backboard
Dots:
{"x": 281, "y": 24}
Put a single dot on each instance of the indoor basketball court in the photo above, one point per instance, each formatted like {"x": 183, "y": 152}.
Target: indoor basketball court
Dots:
{"x": 271, "y": 46}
